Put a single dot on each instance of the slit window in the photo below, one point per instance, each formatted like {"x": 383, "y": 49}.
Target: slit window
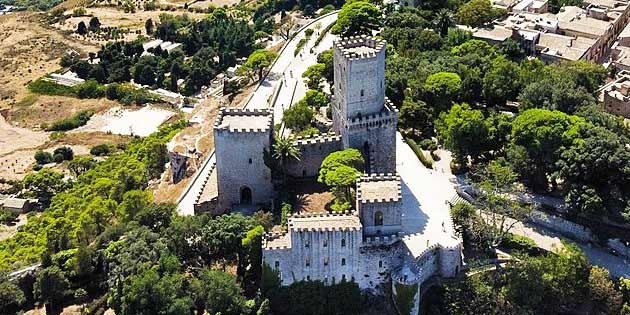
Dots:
{"x": 343, "y": 261}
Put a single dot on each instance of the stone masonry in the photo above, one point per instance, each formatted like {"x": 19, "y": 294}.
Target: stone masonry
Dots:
{"x": 241, "y": 137}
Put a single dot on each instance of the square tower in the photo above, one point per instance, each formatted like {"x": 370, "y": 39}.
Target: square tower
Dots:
{"x": 379, "y": 202}
{"x": 240, "y": 139}
{"x": 361, "y": 114}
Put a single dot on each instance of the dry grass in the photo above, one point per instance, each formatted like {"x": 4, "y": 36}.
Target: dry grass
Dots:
{"x": 48, "y": 109}
{"x": 7, "y": 231}
{"x": 28, "y": 51}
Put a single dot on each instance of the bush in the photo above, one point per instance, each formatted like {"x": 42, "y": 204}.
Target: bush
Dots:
{"x": 428, "y": 163}
{"x": 428, "y": 144}
{"x": 65, "y": 152}
{"x": 101, "y": 149}
{"x": 58, "y": 158}
{"x": 37, "y": 167}
{"x": 45, "y": 87}
{"x": 300, "y": 45}
{"x": 519, "y": 243}
{"x": 309, "y": 32}
{"x": 77, "y": 120}
{"x": 43, "y": 157}
{"x": 7, "y": 217}
{"x": 90, "y": 89}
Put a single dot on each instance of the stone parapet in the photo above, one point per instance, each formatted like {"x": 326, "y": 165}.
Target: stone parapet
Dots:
{"x": 317, "y": 139}
{"x": 391, "y": 194}
{"x": 389, "y": 115}
{"x": 263, "y": 124}
{"x": 348, "y": 47}
{"x": 381, "y": 240}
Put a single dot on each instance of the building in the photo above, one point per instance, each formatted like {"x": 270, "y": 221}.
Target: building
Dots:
{"x": 241, "y": 138}
{"x": 372, "y": 245}
{"x": 17, "y": 205}
{"x": 616, "y": 95}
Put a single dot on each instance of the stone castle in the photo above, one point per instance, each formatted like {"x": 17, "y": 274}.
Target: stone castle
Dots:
{"x": 383, "y": 241}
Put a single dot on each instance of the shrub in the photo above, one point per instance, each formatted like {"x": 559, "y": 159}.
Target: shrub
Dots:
{"x": 101, "y": 149}
{"x": 520, "y": 243}
{"x": 43, "y": 157}
{"x": 77, "y": 120}
{"x": 309, "y": 32}
{"x": 37, "y": 167}
{"x": 300, "y": 45}
{"x": 90, "y": 89}
{"x": 7, "y": 217}
{"x": 45, "y": 87}
{"x": 65, "y": 152}
{"x": 58, "y": 158}
{"x": 428, "y": 163}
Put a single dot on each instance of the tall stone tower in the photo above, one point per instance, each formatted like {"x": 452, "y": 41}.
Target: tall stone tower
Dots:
{"x": 361, "y": 114}
{"x": 240, "y": 139}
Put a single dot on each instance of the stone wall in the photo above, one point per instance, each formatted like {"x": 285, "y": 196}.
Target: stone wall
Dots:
{"x": 313, "y": 151}
{"x": 178, "y": 165}
{"x": 560, "y": 225}
{"x": 619, "y": 247}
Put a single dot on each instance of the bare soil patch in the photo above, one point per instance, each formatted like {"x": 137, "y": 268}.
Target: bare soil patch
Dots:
{"x": 29, "y": 50}
{"x": 7, "y": 231}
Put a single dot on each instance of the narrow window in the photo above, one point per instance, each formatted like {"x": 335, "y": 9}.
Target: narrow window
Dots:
{"x": 277, "y": 264}
{"x": 343, "y": 278}
{"x": 308, "y": 278}
{"x": 250, "y": 161}
{"x": 306, "y": 244}
{"x": 308, "y": 262}
{"x": 325, "y": 243}
{"x": 380, "y": 264}
{"x": 362, "y": 92}
{"x": 343, "y": 261}
{"x": 326, "y": 261}
{"x": 378, "y": 218}
{"x": 343, "y": 242}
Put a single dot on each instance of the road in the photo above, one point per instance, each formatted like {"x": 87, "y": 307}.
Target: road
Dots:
{"x": 285, "y": 63}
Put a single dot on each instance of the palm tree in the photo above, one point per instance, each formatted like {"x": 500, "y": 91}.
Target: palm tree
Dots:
{"x": 443, "y": 20}
{"x": 284, "y": 151}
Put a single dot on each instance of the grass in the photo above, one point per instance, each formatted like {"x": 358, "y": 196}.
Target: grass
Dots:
{"x": 75, "y": 121}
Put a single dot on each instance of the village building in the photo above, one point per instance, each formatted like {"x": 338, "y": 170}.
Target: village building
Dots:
{"x": 615, "y": 96}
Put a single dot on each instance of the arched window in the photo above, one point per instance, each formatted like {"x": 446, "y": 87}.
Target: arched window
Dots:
{"x": 378, "y": 218}
{"x": 343, "y": 261}
{"x": 362, "y": 93}
{"x": 308, "y": 262}
{"x": 343, "y": 242}
{"x": 246, "y": 195}
{"x": 325, "y": 243}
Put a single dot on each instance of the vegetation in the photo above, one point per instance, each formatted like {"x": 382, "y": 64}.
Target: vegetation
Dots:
{"x": 77, "y": 120}
{"x": 357, "y": 18}
{"x": 339, "y": 171}
{"x": 298, "y": 117}
{"x": 257, "y": 62}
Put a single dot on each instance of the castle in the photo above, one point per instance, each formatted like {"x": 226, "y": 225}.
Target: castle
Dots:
{"x": 389, "y": 235}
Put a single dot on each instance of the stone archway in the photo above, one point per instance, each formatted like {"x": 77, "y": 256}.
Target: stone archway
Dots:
{"x": 246, "y": 196}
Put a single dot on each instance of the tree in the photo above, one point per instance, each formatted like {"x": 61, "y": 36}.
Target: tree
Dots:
{"x": 44, "y": 184}
{"x": 339, "y": 171}
{"x": 357, "y": 18}
{"x": 501, "y": 83}
{"x": 476, "y": 13}
{"x": 602, "y": 292}
{"x": 95, "y": 24}
{"x": 314, "y": 75}
{"x": 474, "y": 46}
{"x": 151, "y": 293}
{"x": 50, "y": 287}
{"x": 512, "y": 49}
{"x": 443, "y": 21}
{"x": 284, "y": 152}
{"x": 65, "y": 152}
{"x": 133, "y": 202}
{"x": 326, "y": 57}
{"x": 81, "y": 165}
{"x": 443, "y": 88}
{"x": 463, "y": 131}
{"x": 315, "y": 99}
{"x": 257, "y": 62}
{"x": 11, "y": 296}
{"x": 148, "y": 26}
{"x": 82, "y": 28}
{"x": 287, "y": 24}
{"x": 43, "y": 157}
{"x": 556, "y": 93}
{"x": 223, "y": 295}
{"x": 253, "y": 246}
{"x": 417, "y": 116}
{"x": 298, "y": 117}
{"x": 541, "y": 133}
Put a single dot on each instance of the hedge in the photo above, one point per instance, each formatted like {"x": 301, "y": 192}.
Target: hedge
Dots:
{"x": 77, "y": 120}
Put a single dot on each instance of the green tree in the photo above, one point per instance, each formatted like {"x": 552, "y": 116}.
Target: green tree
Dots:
{"x": 284, "y": 152}
{"x": 443, "y": 88}
{"x": 11, "y": 296}
{"x": 223, "y": 295}
{"x": 339, "y": 171}
{"x": 50, "y": 287}
{"x": 326, "y": 57}
{"x": 443, "y": 21}
{"x": 417, "y": 116}
{"x": 314, "y": 75}
{"x": 66, "y": 152}
{"x": 357, "y": 18}
{"x": 148, "y": 26}
{"x": 150, "y": 293}
{"x": 44, "y": 184}
{"x": 133, "y": 202}
{"x": 298, "y": 117}
{"x": 476, "y": 13}
{"x": 315, "y": 99}
{"x": 257, "y": 62}
{"x": 43, "y": 157}
{"x": 463, "y": 131}
{"x": 253, "y": 246}
{"x": 501, "y": 83}
{"x": 82, "y": 28}
{"x": 95, "y": 24}
{"x": 81, "y": 165}
{"x": 602, "y": 292}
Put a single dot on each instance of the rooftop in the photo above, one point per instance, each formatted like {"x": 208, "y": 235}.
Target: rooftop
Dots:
{"x": 378, "y": 188}
{"x": 575, "y": 19}
{"x": 237, "y": 120}
{"x": 324, "y": 222}
{"x": 496, "y": 33}
{"x": 360, "y": 46}
{"x": 566, "y": 47}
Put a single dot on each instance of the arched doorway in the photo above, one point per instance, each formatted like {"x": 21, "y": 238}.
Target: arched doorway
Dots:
{"x": 378, "y": 218}
{"x": 246, "y": 196}
{"x": 366, "y": 156}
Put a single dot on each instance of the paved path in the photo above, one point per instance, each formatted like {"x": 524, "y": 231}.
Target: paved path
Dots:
{"x": 286, "y": 62}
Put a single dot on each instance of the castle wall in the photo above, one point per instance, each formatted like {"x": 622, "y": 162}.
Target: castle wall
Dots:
{"x": 240, "y": 164}
{"x": 379, "y": 132}
{"x": 392, "y": 222}
{"x": 313, "y": 151}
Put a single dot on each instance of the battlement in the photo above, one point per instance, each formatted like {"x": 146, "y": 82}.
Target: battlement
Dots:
{"x": 323, "y": 221}
{"x": 385, "y": 240}
{"x": 375, "y": 188}
{"x": 389, "y": 114}
{"x": 319, "y": 138}
{"x": 244, "y": 120}
{"x": 360, "y": 47}
{"x": 276, "y": 241}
